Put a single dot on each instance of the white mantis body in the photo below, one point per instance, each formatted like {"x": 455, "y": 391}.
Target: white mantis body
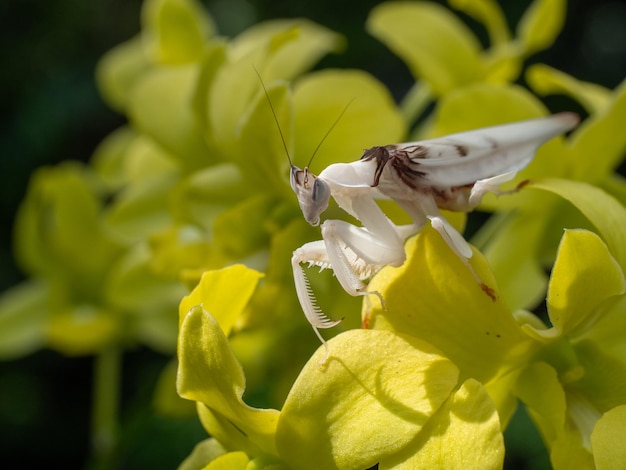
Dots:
{"x": 452, "y": 172}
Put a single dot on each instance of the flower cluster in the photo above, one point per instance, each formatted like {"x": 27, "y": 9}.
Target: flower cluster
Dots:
{"x": 193, "y": 195}
{"x": 435, "y": 376}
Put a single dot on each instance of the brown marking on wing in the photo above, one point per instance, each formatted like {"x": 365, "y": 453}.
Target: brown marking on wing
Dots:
{"x": 493, "y": 144}
{"x": 381, "y": 155}
{"x": 403, "y": 164}
{"x": 418, "y": 151}
{"x": 405, "y": 171}
{"x": 462, "y": 150}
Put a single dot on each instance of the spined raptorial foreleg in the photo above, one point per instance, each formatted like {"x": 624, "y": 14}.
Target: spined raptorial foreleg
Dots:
{"x": 353, "y": 253}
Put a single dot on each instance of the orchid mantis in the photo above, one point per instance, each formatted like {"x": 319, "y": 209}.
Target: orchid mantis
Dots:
{"x": 452, "y": 172}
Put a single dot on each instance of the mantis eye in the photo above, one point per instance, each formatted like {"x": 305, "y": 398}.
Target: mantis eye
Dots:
{"x": 321, "y": 192}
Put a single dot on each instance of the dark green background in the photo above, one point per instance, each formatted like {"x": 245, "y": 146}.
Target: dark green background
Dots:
{"x": 51, "y": 112}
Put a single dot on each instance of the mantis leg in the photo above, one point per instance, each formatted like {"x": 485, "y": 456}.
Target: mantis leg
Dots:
{"x": 490, "y": 185}
{"x": 354, "y": 253}
{"x": 451, "y": 236}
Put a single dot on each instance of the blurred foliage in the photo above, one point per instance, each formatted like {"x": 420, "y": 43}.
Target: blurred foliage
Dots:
{"x": 53, "y": 113}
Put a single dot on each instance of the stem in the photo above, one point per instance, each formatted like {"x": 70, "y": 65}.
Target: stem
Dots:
{"x": 415, "y": 101}
{"x": 105, "y": 425}
{"x": 487, "y": 231}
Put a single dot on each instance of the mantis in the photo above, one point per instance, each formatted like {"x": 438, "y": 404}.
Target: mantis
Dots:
{"x": 452, "y": 173}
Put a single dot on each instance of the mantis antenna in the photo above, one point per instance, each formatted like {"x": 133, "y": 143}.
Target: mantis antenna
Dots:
{"x": 280, "y": 131}
{"x": 329, "y": 131}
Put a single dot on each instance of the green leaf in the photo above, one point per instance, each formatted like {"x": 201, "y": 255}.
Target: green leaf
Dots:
{"x": 142, "y": 209}
{"x": 372, "y": 381}
{"x": 224, "y": 293}
{"x": 23, "y": 315}
{"x": 545, "y": 80}
{"x": 160, "y": 106}
{"x": 465, "y": 432}
{"x": 59, "y": 233}
{"x": 432, "y": 290}
{"x": 541, "y": 24}
{"x": 607, "y": 439}
{"x": 175, "y": 31}
{"x": 490, "y": 14}
{"x": 109, "y": 158}
{"x": 119, "y": 69}
{"x": 602, "y": 210}
{"x": 210, "y": 374}
{"x": 436, "y": 46}
{"x": 601, "y": 136}
{"x": 584, "y": 276}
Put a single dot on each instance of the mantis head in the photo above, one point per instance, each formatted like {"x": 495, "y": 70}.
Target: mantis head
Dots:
{"x": 313, "y": 193}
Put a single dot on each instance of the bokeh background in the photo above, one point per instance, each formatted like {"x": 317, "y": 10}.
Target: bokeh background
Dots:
{"x": 51, "y": 111}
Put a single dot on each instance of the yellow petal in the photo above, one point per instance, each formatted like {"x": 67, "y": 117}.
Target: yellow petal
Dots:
{"x": 546, "y": 404}
{"x": 464, "y": 433}
{"x": 229, "y": 461}
{"x": 545, "y": 80}
{"x": 541, "y": 24}
{"x": 203, "y": 452}
{"x": 433, "y": 296}
{"x": 371, "y": 117}
{"x": 608, "y": 439}
{"x": 370, "y": 399}
{"x": 175, "y": 31}
{"x": 602, "y": 210}
{"x": 436, "y": 46}
{"x": 583, "y": 277}
{"x": 224, "y": 293}
{"x": 210, "y": 374}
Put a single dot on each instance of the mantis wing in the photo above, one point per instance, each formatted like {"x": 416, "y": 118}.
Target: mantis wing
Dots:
{"x": 466, "y": 157}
